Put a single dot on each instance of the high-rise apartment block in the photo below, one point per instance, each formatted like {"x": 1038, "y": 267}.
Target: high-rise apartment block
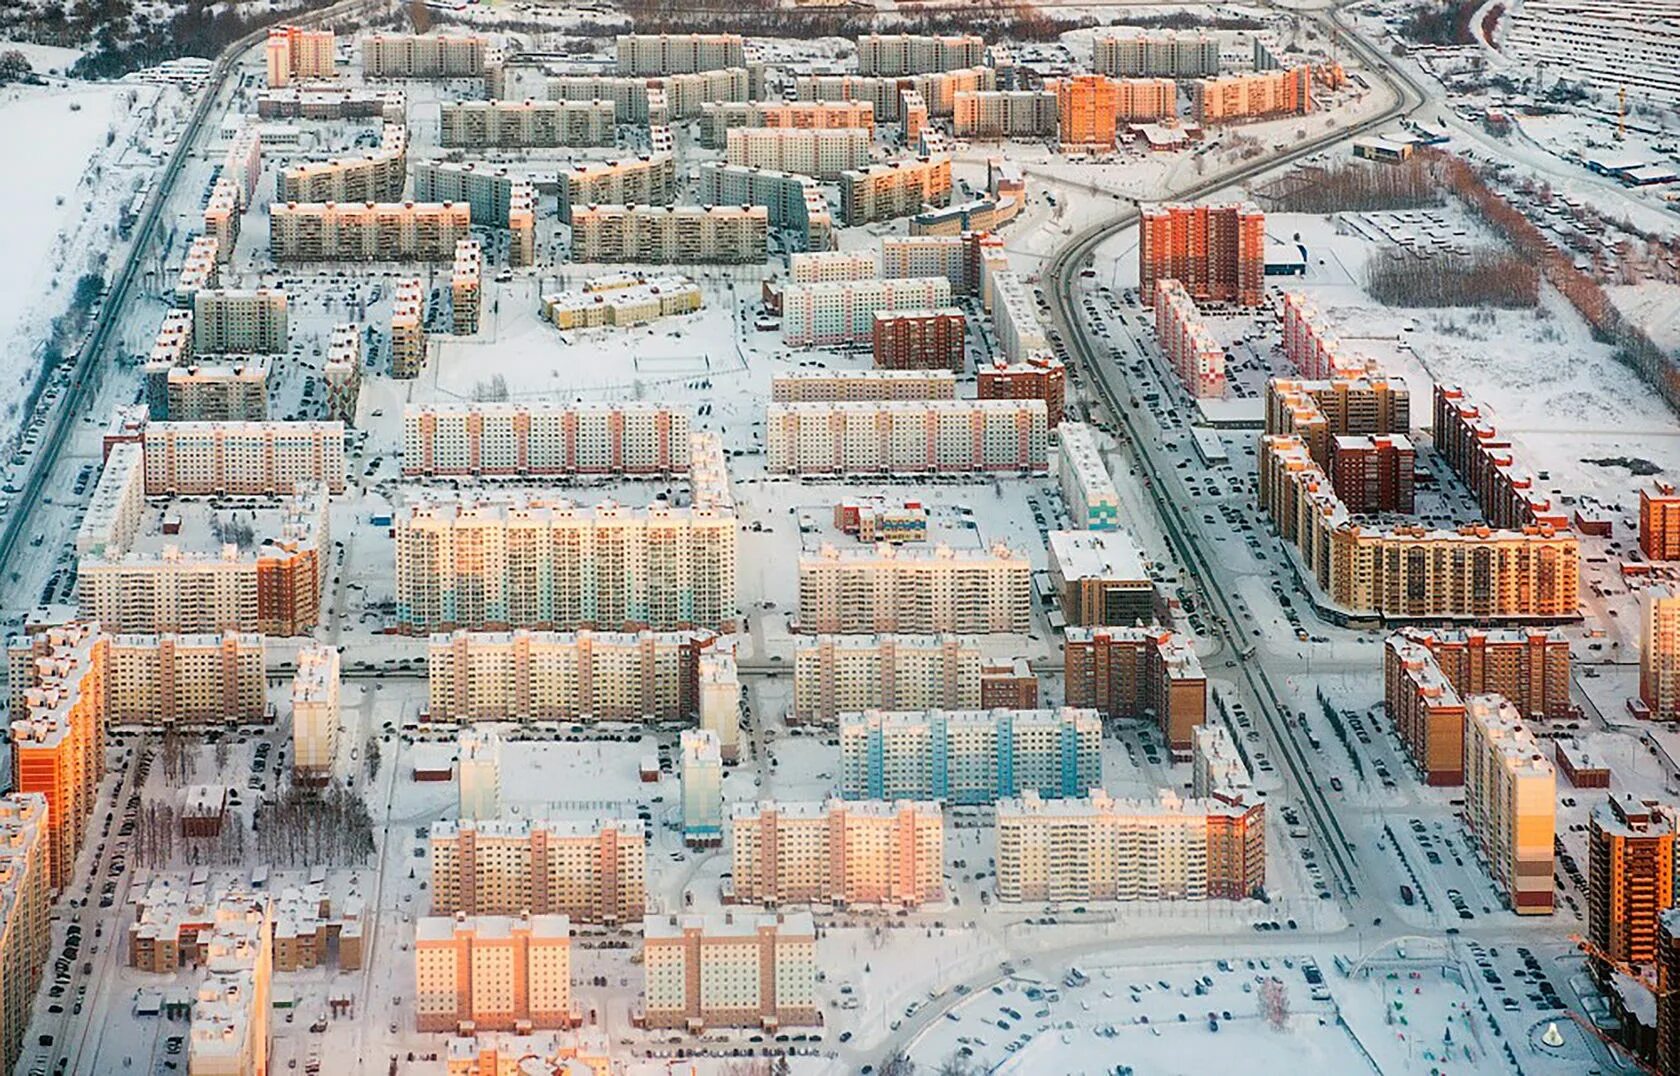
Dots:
{"x": 1510, "y": 802}
{"x": 232, "y": 391}
{"x": 239, "y": 321}
{"x": 1015, "y": 319}
{"x": 242, "y": 458}
{"x": 1087, "y": 110}
{"x": 1659, "y": 651}
{"x": 1312, "y": 347}
{"x": 493, "y": 972}
{"x": 479, "y": 774}
{"x": 315, "y": 714}
{"x": 1630, "y": 879}
{"x": 928, "y": 339}
{"x": 594, "y": 871}
{"x": 733, "y": 970}
{"x": 890, "y": 589}
{"x": 862, "y": 386}
{"x": 408, "y": 328}
{"x": 1508, "y": 492}
{"x": 1366, "y": 404}
{"x": 25, "y": 904}
{"x": 1218, "y": 252}
{"x": 328, "y": 101}
{"x": 58, "y": 738}
{"x": 677, "y": 54}
{"x": 913, "y": 116}
{"x": 386, "y": 55}
{"x": 1157, "y": 55}
{"x": 525, "y": 124}
{"x": 1426, "y": 709}
{"x": 994, "y": 114}
{"x": 199, "y": 270}
{"x": 830, "y": 266}
{"x": 342, "y": 373}
{"x": 795, "y": 204}
{"x": 1253, "y": 96}
{"x": 1041, "y": 376}
{"x": 718, "y": 118}
{"x": 917, "y": 54}
{"x": 1100, "y": 578}
{"x": 700, "y": 768}
{"x": 1659, "y": 520}
{"x": 1131, "y": 672}
{"x": 466, "y": 284}
{"x": 293, "y": 52}
{"x": 1373, "y": 474}
{"x": 957, "y": 258}
{"x": 836, "y": 674}
{"x": 1528, "y": 667}
{"x": 646, "y": 180}
{"x": 495, "y": 199}
{"x": 367, "y": 231}
{"x": 378, "y": 176}
{"x": 1668, "y": 990}
{"x": 838, "y": 852}
{"x": 842, "y": 312}
{"x": 1197, "y": 358}
{"x": 1098, "y": 848}
{"x": 907, "y": 437}
{"x": 221, "y": 217}
{"x": 670, "y": 235}
{"x": 545, "y": 439}
{"x": 968, "y": 757}
{"x": 809, "y": 151}
{"x": 1216, "y": 766}
{"x": 894, "y": 189}
{"x": 1087, "y": 488}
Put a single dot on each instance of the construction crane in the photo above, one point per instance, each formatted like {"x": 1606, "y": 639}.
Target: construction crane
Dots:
{"x": 1645, "y": 977}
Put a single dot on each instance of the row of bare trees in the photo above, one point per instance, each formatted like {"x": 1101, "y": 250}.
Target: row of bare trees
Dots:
{"x": 1483, "y": 277}
{"x": 326, "y": 827}
{"x": 1351, "y": 186}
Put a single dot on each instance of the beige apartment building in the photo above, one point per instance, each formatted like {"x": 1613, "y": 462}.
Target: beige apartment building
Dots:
{"x": 894, "y": 189}
{"x": 25, "y": 903}
{"x": 234, "y": 391}
{"x": 671, "y": 235}
{"x": 424, "y": 55}
{"x": 718, "y": 118}
{"x": 466, "y": 280}
{"x": 1100, "y": 848}
{"x": 838, "y": 386}
{"x": 808, "y": 151}
{"x": 598, "y": 305}
{"x": 221, "y": 217}
{"x": 592, "y": 871}
{"x": 907, "y": 437}
{"x": 994, "y": 114}
{"x": 1258, "y": 95}
{"x": 677, "y": 54}
{"x": 58, "y": 735}
{"x": 496, "y": 198}
{"x": 1188, "y": 55}
{"x": 379, "y": 176}
{"x": 239, "y": 321}
{"x": 754, "y": 971}
{"x": 295, "y": 53}
{"x": 315, "y": 713}
{"x": 1510, "y": 802}
{"x": 493, "y": 972}
{"x": 229, "y": 1035}
{"x": 525, "y": 124}
{"x": 242, "y": 458}
{"x": 635, "y": 100}
{"x": 342, "y": 373}
{"x": 890, "y": 589}
{"x": 199, "y": 270}
{"x": 918, "y": 54}
{"x": 1659, "y": 651}
{"x": 837, "y": 674}
{"x": 408, "y": 328}
{"x": 648, "y": 179}
{"x": 367, "y": 231}
{"x": 546, "y": 439}
{"x": 837, "y": 852}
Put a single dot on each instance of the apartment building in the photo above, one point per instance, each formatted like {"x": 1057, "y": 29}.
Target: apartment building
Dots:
{"x": 408, "y": 328}
{"x": 718, "y": 118}
{"x": 503, "y": 562}
{"x": 917, "y": 54}
{"x": 670, "y": 235}
{"x": 495, "y": 199}
{"x": 241, "y": 168}
{"x": 525, "y": 124}
{"x": 884, "y": 95}
{"x": 1087, "y": 488}
{"x": 1373, "y": 474}
{"x": 1197, "y": 358}
{"x": 824, "y": 386}
{"x": 341, "y": 374}
{"x": 894, "y": 189}
{"x": 681, "y": 97}
{"x": 1528, "y": 667}
{"x": 199, "y": 271}
{"x": 677, "y": 54}
{"x": 957, "y": 258}
{"x": 969, "y": 757}
{"x": 242, "y": 458}
{"x": 1087, "y": 110}
{"x": 493, "y": 972}
{"x": 1015, "y": 318}
{"x": 332, "y": 102}
{"x": 1510, "y": 802}
{"x": 888, "y": 589}
{"x": 1040, "y": 376}
{"x": 368, "y": 231}
{"x": 478, "y": 752}
{"x": 733, "y": 970}
{"x": 58, "y": 741}
{"x": 315, "y": 712}
{"x": 622, "y": 300}
{"x": 1668, "y": 989}
{"x": 839, "y": 852}
{"x": 1659, "y": 651}
{"x": 995, "y": 114}
{"x": 1426, "y": 708}
{"x": 234, "y": 391}
{"x": 465, "y": 284}
{"x": 545, "y": 439}
{"x": 1217, "y": 766}
{"x": 635, "y": 100}
{"x": 379, "y": 176}
{"x": 1507, "y": 491}
{"x": 1100, "y": 579}
{"x": 231, "y": 1007}
{"x": 646, "y": 180}
{"x": 239, "y": 321}
{"x": 700, "y": 769}
{"x": 221, "y": 218}
{"x": 1217, "y": 252}
{"x": 443, "y": 55}
{"x": 934, "y": 338}
{"x": 1255, "y": 96}
{"x": 1630, "y": 879}
{"x": 842, "y": 312}
{"x": 1312, "y": 346}
{"x": 906, "y": 437}
{"x": 824, "y": 153}
{"x": 837, "y": 674}
{"x": 831, "y": 266}
{"x": 593, "y": 871}
{"x": 295, "y": 53}
{"x": 1095, "y": 847}
{"x": 1659, "y": 520}
{"x": 1133, "y": 672}
{"x": 1170, "y": 56}
{"x": 1369, "y": 404}
{"x": 913, "y": 112}
{"x": 25, "y": 904}
{"x": 795, "y": 204}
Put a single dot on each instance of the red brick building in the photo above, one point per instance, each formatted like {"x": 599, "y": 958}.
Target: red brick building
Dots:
{"x": 1040, "y": 377}
{"x": 1373, "y": 474}
{"x": 1218, "y": 252}
{"x": 920, "y": 339}
{"x": 1659, "y": 521}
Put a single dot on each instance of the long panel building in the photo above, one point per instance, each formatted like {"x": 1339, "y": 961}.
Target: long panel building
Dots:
{"x": 836, "y": 674}
{"x": 545, "y": 439}
{"x": 888, "y": 589}
{"x": 968, "y": 757}
{"x": 670, "y": 235}
{"x": 594, "y": 871}
{"x": 837, "y": 852}
{"x": 906, "y": 437}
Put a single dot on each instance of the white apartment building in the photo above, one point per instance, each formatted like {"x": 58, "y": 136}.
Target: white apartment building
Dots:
{"x": 906, "y": 437}
{"x": 367, "y": 231}
{"x": 495, "y": 199}
{"x": 757, "y": 971}
{"x": 379, "y": 176}
{"x": 681, "y": 97}
{"x": 835, "y": 313}
{"x": 545, "y": 439}
{"x": 678, "y": 54}
{"x": 239, "y": 321}
{"x": 832, "y": 266}
{"x": 918, "y": 54}
{"x": 1087, "y": 488}
{"x": 594, "y": 871}
{"x": 525, "y": 124}
{"x": 118, "y": 503}
{"x": 466, "y": 281}
{"x": 1607, "y": 44}
{"x": 949, "y": 256}
{"x": 894, "y": 589}
{"x": 245, "y": 458}
{"x": 1187, "y": 55}
{"x": 634, "y": 100}
{"x": 198, "y": 271}
{"x": 997, "y": 114}
{"x": 718, "y": 118}
{"x": 836, "y": 674}
{"x": 700, "y": 768}
{"x": 386, "y": 55}
{"x": 1015, "y": 318}
{"x": 1216, "y": 766}
{"x": 671, "y": 235}
{"x": 894, "y": 189}
{"x": 837, "y": 852}
{"x": 408, "y": 328}
{"x": 968, "y": 757}
{"x": 820, "y": 386}
{"x": 478, "y": 753}
{"x": 808, "y": 151}
{"x": 645, "y": 180}
{"x": 315, "y": 714}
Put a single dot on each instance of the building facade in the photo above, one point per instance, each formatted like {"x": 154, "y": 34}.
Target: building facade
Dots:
{"x": 1217, "y": 252}
{"x": 315, "y": 714}
{"x": 242, "y": 458}
{"x": 593, "y": 871}
{"x": 545, "y": 439}
{"x": 907, "y": 437}
{"x": 969, "y": 757}
{"x": 1510, "y": 802}
{"x": 670, "y": 235}
{"x": 838, "y": 852}
{"x": 1630, "y": 879}
{"x": 493, "y": 972}
{"x": 836, "y": 674}
{"x": 1659, "y": 651}
{"x": 843, "y": 312}
{"x": 1133, "y": 671}
{"x": 893, "y": 590}
{"x": 757, "y": 971}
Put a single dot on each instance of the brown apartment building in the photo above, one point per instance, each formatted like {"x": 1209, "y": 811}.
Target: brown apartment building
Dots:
{"x": 1218, "y": 252}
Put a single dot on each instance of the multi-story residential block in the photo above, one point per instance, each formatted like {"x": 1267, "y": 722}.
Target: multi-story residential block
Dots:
{"x": 906, "y": 437}
{"x": 1507, "y": 491}
{"x": 838, "y": 852}
{"x": 1668, "y": 989}
{"x": 917, "y": 54}
{"x": 1040, "y": 376}
{"x": 1659, "y": 520}
{"x": 926, "y": 339}
{"x": 1258, "y": 95}
{"x": 678, "y": 54}
{"x": 670, "y": 235}
{"x": 1217, "y": 766}
{"x": 495, "y": 199}
{"x": 293, "y": 52}
{"x": 1426, "y": 708}
{"x": 1098, "y": 848}
{"x": 649, "y": 179}
{"x": 493, "y": 972}
{"x": 1659, "y": 651}
{"x": 842, "y": 312}
{"x": 1087, "y": 110}
{"x": 969, "y": 756}
{"x": 332, "y": 102}
{"x": 821, "y": 152}
{"x": 1218, "y": 252}
{"x": 1528, "y": 667}
{"x": 700, "y": 769}
{"x": 232, "y": 391}
{"x": 890, "y": 589}
{"x": 199, "y": 271}
{"x": 681, "y": 97}
{"x": 998, "y": 114}
{"x": 25, "y": 904}
{"x": 954, "y": 257}
{"x": 1313, "y": 347}
{"x": 836, "y": 674}
{"x": 239, "y": 321}
{"x": 58, "y": 740}
{"x": 1133, "y": 672}
{"x": 913, "y": 116}
{"x": 545, "y": 439}
{"x": 466, "y": 281}
{"x": 1630, "y": 879}
{"x": 386, "y": 55}
{"x": 1373, "y": 474}
{"x": 622, "y": 300}
{"x": 245, "y": 458}
{"x": 831, "y": 266}
{"x": 894, "y": 189}
{"x": 315, "y": 714}
{"x": 634, "y": 100}
{"x": 525, "y": 124}
{"x": 1368, "y": 404}
{"x": 378, "y": 176}
{"x": 408, "y": 328}
{"x": 1156, "y": 55}
{"x": 793, "y": 203}
{"x": 938, "y": 89}
{"x": 733, "y": 970}
{"x": 231, "y": 1007}
{"x": 367, "y": 231}
{"x": 885, "y": 95}
{"x": 835, "y": 386}
{"x": 594, "y": 871}
{"x": 1510, "y": 802}
{"x": 1197, "y": 358}
{"x": 1015, "y": 320}
{"x": 718, "y": 118}
{"x": 1100, "y": 579}
{"x": 1087, "y": 488}
{"x": 221, "y": 217}
{"x": 342, "y": 373}
{"x": 478, "y": 751}
{"x": 241, "y": 168}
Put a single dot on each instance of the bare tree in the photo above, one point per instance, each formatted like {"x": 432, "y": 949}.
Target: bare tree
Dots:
{"x": 897, "y": 1063}
{"x": 1274, "y": 1003}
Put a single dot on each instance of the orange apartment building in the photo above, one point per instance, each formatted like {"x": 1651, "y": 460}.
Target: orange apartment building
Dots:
{"x": 1087, "y": 110}
{"x": 1125, "y": 671}
{"x": 1630, "y": 879}
{"x": 1218, "y": 252}
{"x": 1659, "y": 520}
{"x": 58, "y": 740}
{"x": 1260, "y": 95}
